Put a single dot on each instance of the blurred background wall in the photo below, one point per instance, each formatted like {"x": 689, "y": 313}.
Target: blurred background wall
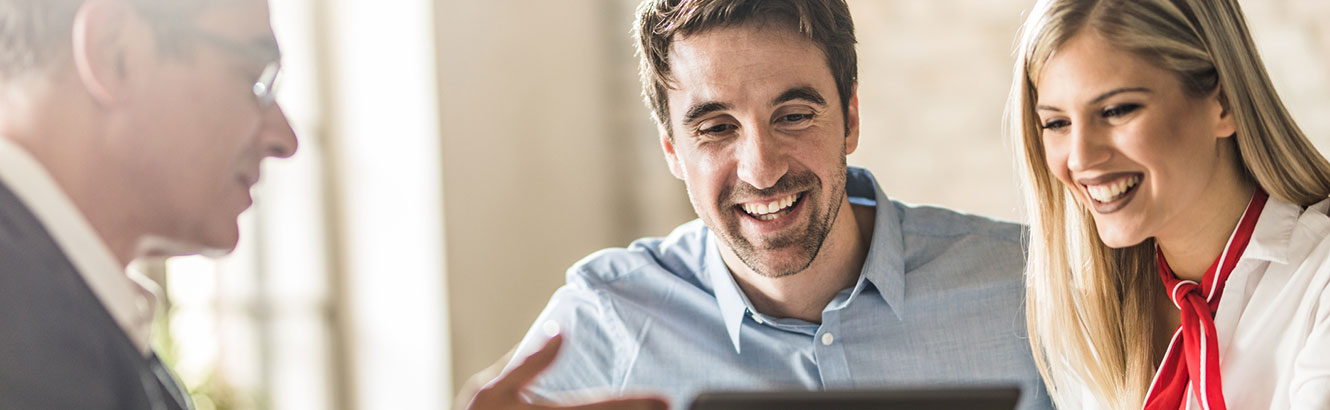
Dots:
{"x": 457, "y": 156}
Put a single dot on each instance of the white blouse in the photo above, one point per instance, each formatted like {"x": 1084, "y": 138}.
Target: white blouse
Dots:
{"x": 1274, "y": 316}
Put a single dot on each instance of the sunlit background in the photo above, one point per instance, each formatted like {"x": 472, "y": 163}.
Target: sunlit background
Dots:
{"x": 457, "y": 156}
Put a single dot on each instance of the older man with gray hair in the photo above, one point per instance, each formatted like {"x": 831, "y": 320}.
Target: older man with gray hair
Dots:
{"x": 128, "y": 128}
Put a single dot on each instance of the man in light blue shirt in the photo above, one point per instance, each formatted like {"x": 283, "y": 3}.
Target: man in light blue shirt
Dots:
{"x": 801, "y": 273}
{"x": 938, "y": 302}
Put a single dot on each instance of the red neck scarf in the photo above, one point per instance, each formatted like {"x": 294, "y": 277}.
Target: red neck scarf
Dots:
{"x": 1193, "y": 354}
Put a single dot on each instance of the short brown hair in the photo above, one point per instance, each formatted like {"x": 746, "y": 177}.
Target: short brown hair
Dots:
{"x": 826, "y": 22}
{"x": 34, "y": 32}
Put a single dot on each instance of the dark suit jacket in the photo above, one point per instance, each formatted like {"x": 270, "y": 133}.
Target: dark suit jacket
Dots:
{"x": 59, "y": 346}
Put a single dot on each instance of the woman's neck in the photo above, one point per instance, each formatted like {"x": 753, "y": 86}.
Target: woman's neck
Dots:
{"x": 1196, "y": 239}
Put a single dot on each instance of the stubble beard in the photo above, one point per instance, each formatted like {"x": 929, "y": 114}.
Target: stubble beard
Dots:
{"x": 809, "y": 241}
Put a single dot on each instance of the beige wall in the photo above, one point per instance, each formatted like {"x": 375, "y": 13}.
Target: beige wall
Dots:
{"x": 933, "y": 81}
{"x": 548, "y": 153}
{"x": 548, "y": 156}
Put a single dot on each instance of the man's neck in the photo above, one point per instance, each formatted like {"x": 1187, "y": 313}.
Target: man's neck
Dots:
{"x": 804, "y": 295}
{"x": 63, "y": 140}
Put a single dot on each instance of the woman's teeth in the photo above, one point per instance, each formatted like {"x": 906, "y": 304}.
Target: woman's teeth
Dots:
{"x": 770, "y": 210}
{"x": 1105, "y": 193}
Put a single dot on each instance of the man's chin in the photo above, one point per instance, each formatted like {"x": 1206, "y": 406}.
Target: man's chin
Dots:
{"x": 154, "y": 246}
{"x": 777, "y": 263}
{"x": 771, "y": 256}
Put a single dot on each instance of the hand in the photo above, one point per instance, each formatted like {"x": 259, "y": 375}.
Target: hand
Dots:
{"x": 504, "y": 392}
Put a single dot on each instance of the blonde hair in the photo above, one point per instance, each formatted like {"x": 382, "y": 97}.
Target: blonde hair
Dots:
{"x": 1090, "y": 307}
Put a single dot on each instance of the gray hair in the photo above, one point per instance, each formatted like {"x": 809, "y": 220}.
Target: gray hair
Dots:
{"x": 34, "y": 34}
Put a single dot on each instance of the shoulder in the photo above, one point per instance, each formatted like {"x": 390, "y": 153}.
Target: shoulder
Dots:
{"x": 58, "y": 351}
{"x": 1306, "y": 249}
{"x": 59, "y": 347}
{"x": 610, "y": 298}
{"x": 1309, "y": 267}
{"x": 940, "y": 222}
{"x": 931, "y": 232}
{"x": 677, "y": 256}
{"x": 956, "y": 247}
{"x": 1291, "y": 255}
{"x": 615, "y": 290}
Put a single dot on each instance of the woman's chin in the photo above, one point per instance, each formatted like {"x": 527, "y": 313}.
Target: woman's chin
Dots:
{"x": 1117, "y": 239}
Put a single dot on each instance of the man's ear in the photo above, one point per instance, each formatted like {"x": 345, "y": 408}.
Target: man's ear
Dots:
{"x": 852, "y": 120}
{"x": 106, "y": 43}
{"x": 1225, "y": 126}
{"x": 671, "y": 157}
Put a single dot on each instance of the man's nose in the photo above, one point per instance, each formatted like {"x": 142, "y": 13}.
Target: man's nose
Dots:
{"x": 276, "y": 135}
{"x": 761, "y": 158}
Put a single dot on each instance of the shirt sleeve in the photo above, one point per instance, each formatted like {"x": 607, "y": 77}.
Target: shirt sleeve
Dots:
{"x": 1311, "y": 371}
{"x": 589, "y": 365}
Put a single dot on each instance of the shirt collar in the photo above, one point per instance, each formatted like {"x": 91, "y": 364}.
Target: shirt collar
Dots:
{"x": 731, "y": 301}
{"x": 128, "y": 297}
{"x": 1273, "y": 234}
{"x": 885, "y": 265}
{"x": 884, "y": 268}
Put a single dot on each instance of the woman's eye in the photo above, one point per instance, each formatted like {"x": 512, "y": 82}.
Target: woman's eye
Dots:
{"x": 1120, "y": 110}
{"x": 1055, "y": 125}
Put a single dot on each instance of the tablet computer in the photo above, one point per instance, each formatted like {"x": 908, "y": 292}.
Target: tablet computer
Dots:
{"x": 998, "y": 398}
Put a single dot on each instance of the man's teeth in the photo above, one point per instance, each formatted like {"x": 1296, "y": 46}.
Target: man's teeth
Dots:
{"x": 760, "y": 210}
{"x": 1112, "y": 191}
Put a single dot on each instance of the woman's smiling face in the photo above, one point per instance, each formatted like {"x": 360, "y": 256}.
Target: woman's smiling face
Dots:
{"x": 1127, "y": 139}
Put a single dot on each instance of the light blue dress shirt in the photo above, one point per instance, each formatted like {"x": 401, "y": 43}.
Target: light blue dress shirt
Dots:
{"x": 939, "y": 303}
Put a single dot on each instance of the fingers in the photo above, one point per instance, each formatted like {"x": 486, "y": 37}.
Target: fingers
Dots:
{"x": 622, "y": 404}
{"x": 532, "y": 366}
{"x": 503, "y": 393}
{"x": 472, "y": 388}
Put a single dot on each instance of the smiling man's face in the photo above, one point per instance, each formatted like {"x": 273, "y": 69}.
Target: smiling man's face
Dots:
{"x": 760, "y": 140}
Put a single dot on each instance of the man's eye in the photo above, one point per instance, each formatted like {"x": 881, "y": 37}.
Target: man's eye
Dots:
{"x": 1055, "y": 125}
{"x": 1120, "y": 110}
{"x": 796, "y": 117}
{"x": 717, "y": 129}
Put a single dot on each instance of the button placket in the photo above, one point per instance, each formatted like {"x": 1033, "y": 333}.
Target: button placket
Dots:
{"x": 829, "y": 345}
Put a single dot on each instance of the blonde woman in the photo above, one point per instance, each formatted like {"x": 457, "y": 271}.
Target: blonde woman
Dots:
{"x": 1178, "y": 250}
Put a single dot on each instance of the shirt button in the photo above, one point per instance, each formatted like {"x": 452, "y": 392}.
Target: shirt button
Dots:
{"x": 550, "y": 327}
{"x": 828, "y": 339}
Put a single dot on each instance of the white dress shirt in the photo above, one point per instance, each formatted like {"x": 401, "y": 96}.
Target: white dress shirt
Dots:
{"x": 129, "y": 297}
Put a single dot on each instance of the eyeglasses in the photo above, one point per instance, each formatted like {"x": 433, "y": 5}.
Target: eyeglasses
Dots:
{"x": 262, "y": 88}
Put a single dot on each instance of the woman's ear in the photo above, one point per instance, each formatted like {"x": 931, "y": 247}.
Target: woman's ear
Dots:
{"x": 1225, "y": 125}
